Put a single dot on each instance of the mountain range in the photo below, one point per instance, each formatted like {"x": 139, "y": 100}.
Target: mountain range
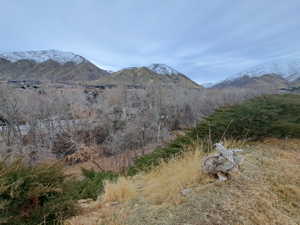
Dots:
{"x": 276, "y": 74}
{"x": 57, "y": 66}
{"x": 287, "y": 68}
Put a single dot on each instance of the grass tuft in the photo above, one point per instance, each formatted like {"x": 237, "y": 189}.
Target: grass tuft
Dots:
{"x": 164, "y": 183}
{"x": 121, "y": 190}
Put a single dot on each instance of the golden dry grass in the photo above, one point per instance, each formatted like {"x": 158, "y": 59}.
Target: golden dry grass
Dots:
{"x": 165, "y": 183}
{"x": 265, "y": 191}
{"x": 101, "y": 215}
{"x": 121, "y": 190}
{"x": 161, "y": 184}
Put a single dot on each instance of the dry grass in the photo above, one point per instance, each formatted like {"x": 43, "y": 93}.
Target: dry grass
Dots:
{"x": 165, "y": 183}
{"x": 161, "y": 184}
{"x": 101, "y": 215}
{"x": 121, "y": 190}
{"x": 231, "y": 143}
{"x": 266, "y": 191}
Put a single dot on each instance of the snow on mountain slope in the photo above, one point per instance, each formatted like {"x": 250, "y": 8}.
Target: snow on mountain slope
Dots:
{"x": 163, "y": 69}
{"x": 287, "y": 68}
{"x": 42, "y": 56}
{"x": 208, "y": 85}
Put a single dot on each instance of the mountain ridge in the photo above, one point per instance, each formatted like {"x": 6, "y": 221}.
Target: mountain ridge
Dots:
{"x": 48, "y": 65}
{"x": 162, "y": 69}
{"x": 287, "y": 68}
{"x": 40, "y": 56}
{"x": 147, "y": 76}
{"x": 269, "y": 81}
{"x": 57, "y": 66}
{"x": 274, "y": 74}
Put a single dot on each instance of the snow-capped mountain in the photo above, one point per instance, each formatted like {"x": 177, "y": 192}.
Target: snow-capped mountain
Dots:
{"x": 162, "y": 69}
{"x": 264, "y": 82}
{"x": 208, "y": 85}
{"x": 274, "y": 74}
{"x": 47, "y": 65}
{"x": 287, "y": 68}
{"x": 43, "y": 56}
{"x": 155, "y": 74}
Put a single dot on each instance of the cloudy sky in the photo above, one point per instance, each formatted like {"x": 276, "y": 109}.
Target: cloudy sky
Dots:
{"x": 207, "y": 40}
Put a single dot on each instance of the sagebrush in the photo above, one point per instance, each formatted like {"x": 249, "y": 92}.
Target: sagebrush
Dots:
{"x": 33, "y": 195}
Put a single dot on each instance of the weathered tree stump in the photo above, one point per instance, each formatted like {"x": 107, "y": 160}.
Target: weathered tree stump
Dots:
{"x": 223, "y": 162}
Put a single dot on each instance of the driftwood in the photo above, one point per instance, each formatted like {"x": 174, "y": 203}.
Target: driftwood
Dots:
{"x": 223, "y": 162}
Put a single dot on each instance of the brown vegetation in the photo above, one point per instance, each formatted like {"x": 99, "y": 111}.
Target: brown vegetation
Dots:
{"x": 265, "y": 191}
{"x": 116, "y": 120}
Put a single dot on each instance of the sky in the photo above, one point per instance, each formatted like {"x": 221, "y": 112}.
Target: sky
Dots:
{"x": 206, "y": 40}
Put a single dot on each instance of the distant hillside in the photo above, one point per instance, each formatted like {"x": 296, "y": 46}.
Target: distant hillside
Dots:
{"x": 48, "y": 65}
{"x": 267, "y": 81}
{"x": 154, "y": 74}
{"x": 272, "y": 74}
{"x": 287, "y": 68}
{"x": 296, "y": 83}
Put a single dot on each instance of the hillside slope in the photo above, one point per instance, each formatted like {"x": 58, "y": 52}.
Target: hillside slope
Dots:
{"x": 265, "y": 191}
{"x": 154, "y": 74}
{"x": 266, "y": 81}
{"x": 47, "y": 65}
{"x": 296, "y": 83}
{"x": 169, "y": 187}
{"x": 288, "y": 68}
{"x": 274, "y": 74}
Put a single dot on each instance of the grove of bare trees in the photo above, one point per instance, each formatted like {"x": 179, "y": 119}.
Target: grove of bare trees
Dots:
{"x": 56, "y": 123}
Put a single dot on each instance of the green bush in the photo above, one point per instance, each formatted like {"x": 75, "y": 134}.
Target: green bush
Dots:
{"x": 91, "y": 185}
{"x": 146, "y": 162}
{"x": 267, "y": 116}
{"x": 33, "y": 195}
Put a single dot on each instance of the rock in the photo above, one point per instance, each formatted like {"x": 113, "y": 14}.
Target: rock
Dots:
{"x": 114, "y": 203}
{"x": 221, "y": 177}
{"x": 186, "y": 191}
{"x": 109, "y": 204}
